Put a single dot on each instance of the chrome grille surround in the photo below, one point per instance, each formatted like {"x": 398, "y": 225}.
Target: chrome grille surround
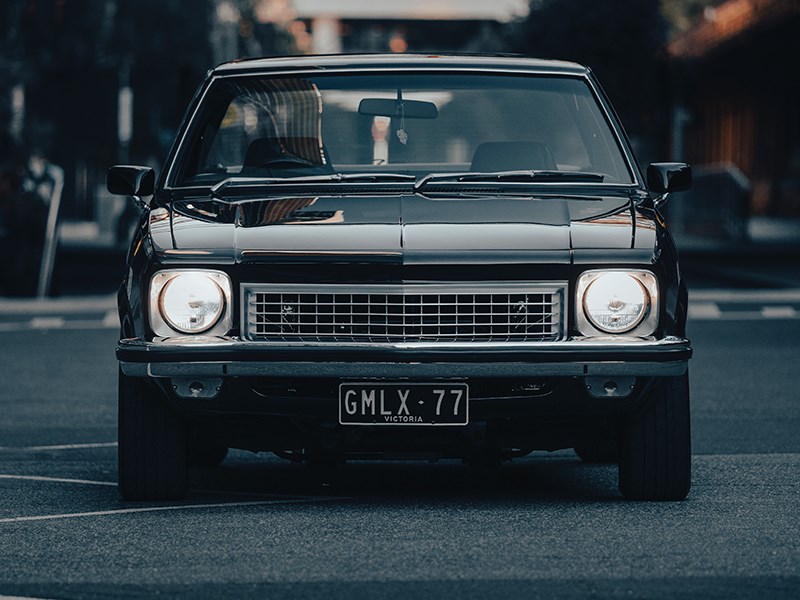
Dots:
{"x": 433, "y": 313}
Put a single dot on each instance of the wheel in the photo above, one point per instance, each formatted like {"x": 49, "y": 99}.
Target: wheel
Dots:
{"x": 600, "y": 452}
{"x": 152, "y": 444}
{"x": 655, "y": 446}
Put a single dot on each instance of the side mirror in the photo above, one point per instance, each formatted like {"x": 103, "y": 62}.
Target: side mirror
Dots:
{"x": 669, "y": 177}
{"x": 129, "y": 180}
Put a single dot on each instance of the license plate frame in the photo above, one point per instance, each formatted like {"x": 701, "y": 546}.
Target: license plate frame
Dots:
{"x": 382, "y": 403}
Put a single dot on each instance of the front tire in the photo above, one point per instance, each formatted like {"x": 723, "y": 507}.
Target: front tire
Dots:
{"x": 655, "y": 446}
{"x": 152, "y": 444}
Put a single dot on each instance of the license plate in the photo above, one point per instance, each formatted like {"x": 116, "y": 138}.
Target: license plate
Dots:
{"x": 379, "y": 403}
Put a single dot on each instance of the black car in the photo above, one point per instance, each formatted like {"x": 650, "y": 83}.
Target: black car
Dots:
{"x": 365, "y": 257}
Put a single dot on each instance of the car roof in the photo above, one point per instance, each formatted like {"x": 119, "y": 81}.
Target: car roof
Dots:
{"x": 401, "y": 61}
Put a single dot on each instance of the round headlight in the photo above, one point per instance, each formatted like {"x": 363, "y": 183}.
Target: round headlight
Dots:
{"x": 191, "y": 303}
{"x": 615, "y": 302}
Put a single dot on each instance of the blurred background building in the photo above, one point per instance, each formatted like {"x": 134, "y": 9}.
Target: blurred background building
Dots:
{"x": 90, "y": 83}
{"x": 736, "y": 104}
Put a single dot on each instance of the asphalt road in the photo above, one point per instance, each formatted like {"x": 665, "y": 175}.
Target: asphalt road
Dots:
{"x": 547, "y": 526}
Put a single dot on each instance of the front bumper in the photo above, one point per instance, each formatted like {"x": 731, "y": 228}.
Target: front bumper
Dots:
{"x": 231, "y": 357}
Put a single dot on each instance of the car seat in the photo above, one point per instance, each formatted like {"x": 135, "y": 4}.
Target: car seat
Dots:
{"x": 512, "y": 156}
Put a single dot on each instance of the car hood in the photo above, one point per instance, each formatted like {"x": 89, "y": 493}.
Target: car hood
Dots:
{"x": 405, "y": 228}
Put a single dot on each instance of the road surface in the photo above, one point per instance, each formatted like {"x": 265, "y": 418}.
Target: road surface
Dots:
{"x": 547, "y": 526}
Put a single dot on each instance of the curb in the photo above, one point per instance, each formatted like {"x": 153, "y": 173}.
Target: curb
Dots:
{"x": 66, "y": 305}
{"x": 746, "y": 296}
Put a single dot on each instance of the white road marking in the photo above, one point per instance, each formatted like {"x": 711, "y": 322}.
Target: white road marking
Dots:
{"x": 69, "y": 305}
{"x": 710, "y": 311}
{"x": 124, "y": 511}
{"x": 706, "y": 310}
{"x": 778, "y": 312}
{"x": 74, "y": 446}
{"x": 60, "y": 447}
{"x": 111, "y": 483}
{"x": 47, "y": 322}
{"x": 111, "y": 319}
{"x": 87, "y": 324}
{"x": 744, "y": 296}
{"x": 743, "y": 315}
{"x": 56, "y": 479}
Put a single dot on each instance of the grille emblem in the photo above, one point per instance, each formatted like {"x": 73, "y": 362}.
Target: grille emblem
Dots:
{"x": 288, "y": 316}
{"x": 520, "y": 311}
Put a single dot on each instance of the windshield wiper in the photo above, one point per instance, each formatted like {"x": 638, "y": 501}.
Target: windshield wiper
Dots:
{"x": 237, "y": 183}
{"x": 507, "y": 177}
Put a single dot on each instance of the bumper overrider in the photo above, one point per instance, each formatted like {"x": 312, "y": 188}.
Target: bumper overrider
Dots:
{"x": 231, "y": 357}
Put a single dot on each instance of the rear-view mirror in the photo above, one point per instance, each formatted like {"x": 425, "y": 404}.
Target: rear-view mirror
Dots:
{"x": 387, "y": 107}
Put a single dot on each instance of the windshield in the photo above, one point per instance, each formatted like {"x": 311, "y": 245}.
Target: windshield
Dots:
{"x": 397, "y": 124}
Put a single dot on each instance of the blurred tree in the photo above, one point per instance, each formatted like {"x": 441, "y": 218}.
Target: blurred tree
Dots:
{"x": 620, "y": 40}
{"x": 162, "y": 49}
{"x": 69, "y": 58}
{"x": 264, "y": 28}
{"x": 682, "y": 14}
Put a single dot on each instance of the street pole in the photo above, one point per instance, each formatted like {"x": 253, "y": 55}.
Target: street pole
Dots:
{"x": 56, "y": 173}
{"x": 124, "y": 111}
{"x": 17, "y": 124}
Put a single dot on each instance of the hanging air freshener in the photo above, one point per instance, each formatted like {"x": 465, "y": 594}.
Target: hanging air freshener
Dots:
{"x": 401, "y": 132}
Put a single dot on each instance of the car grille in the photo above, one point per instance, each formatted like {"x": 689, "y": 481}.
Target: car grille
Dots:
{"x": 446, "y": 312}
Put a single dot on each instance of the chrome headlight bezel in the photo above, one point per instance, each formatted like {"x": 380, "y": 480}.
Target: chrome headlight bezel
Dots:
{"x": 159, "y": 322}
{"x": 647, "y": 324}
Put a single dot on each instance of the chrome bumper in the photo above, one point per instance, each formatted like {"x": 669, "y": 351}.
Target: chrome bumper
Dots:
{"x": 230, "y": 357}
